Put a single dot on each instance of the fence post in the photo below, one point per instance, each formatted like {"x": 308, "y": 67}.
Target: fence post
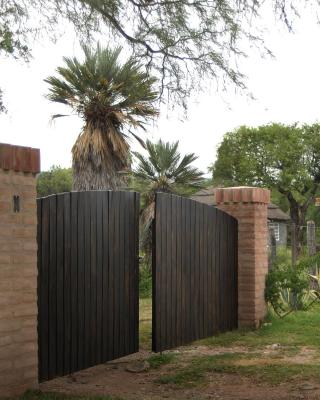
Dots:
{"x": 249, "y": 206}
{"x": 18, "y": 269}
{"x": 311, "y": 238}
{"x": 273, "y": 247}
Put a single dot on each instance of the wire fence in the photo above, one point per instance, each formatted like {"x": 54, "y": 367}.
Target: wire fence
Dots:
{"x": 289, "y": 243}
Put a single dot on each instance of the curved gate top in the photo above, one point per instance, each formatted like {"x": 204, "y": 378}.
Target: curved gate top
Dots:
{"x": 195, "y": 249}
{"x": 88, "y": 279}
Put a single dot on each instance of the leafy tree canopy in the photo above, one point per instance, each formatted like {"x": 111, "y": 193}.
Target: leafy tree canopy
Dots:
{"x": 183, "y": 42}
{"x": 56, "y": 180}
{"x": 283, "y": 158}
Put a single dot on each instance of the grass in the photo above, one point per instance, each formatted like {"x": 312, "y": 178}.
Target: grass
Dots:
{"x": 301, "y": 328}
{"x": 157, "y": 360}
{"x": 196, "y": 372}
{"x": 145, "y": 322}
{"x": 38, "y": 395}
{"x": 293, "y": 333}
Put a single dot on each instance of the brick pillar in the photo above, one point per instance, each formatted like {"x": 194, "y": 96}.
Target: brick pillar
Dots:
{"x": 18, "y": 269}
{"x": 249, "y": 206}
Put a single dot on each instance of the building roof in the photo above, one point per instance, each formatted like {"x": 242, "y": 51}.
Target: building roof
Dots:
{"x": 207, "y": 196}
{"x": 276, "y": 214}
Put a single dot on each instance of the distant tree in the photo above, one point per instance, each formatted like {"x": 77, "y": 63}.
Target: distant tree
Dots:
{"x": 163, "y": 169}
{"x": 56, "y": 180}
{"x": 283, "y": 158}
{"x": 182, "y": 42}
{"x": 111, "y": 97}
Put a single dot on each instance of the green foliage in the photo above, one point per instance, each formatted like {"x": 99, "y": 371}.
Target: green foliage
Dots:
{"x": 163, "y": 169}
{"x": 145, "y": 281}
{"x": 197, "y": 371}
{"x": 288, "y": 288}
{"x": 102, "y": 85}
{"x": 157, "y": 360}
{"x": 56, "y": 180}
{"x": 284, "y": 158}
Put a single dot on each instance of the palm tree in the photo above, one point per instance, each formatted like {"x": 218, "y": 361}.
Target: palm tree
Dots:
{"x": 111, "y": 97}
{"x": 163, "y": 169}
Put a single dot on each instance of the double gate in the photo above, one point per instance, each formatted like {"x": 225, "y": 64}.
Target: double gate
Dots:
{"x": 88, "y": 251}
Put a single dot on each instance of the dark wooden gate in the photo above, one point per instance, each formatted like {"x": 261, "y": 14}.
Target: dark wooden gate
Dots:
{"x": 194, "y": 272}
{"x": 88, "y": 279}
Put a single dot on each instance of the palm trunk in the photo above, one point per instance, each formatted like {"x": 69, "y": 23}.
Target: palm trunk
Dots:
{"x": 95, "y": 165}
{"x": 86, "y": 176}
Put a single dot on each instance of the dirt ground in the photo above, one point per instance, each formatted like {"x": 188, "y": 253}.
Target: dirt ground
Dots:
{"x": 114, "y": 380}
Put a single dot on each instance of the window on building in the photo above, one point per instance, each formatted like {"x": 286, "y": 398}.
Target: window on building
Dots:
{"x": 276, "y": 228}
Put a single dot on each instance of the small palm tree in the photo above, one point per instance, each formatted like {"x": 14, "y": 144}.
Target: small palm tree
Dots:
{"x": 162, "y": 170}
{"x": 111, "y": 97}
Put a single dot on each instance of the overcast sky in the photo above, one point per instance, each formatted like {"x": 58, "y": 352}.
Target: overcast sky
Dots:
{"x": 286, "y": 89}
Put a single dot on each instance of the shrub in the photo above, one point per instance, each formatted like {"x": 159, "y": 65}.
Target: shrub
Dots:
{"x": 289, "y": 288}
{"x": 145, "y": 281}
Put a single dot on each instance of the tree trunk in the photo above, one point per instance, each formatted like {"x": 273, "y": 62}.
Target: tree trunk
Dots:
{"x": 96, "y": 166}
{"x": 298, "y": 215}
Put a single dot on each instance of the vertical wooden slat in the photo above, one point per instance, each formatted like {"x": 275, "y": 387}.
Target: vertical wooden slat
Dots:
{"x": 67, "y": 283}
{"x": 60, "y": 285}
{"x": 174, "y": 281}
{"x": 206, "y": 298}
{"x": 197, "y": 273}
{"x": 87, "y": 280}
{"x": 179, "y": 272}
{"x": 163, "y": 272}
{"x": 116, "y": 261}
{"x": 53, "y": 287}
{"x": 106, "y": 353}
{"x": 122, "y": 244}
{"x": 168, "y": 273}
{"x": 74, "y": 282}
{"x": 111, "y": 282}
{"x": 126, "y": 287}
{"x": 194, "y": 257}
{"x": 210, "y": 244}
{"x": 81, "y": 281}
{"x": 135, "y": 227}
{"x": 132, "y": 288}
{"x": 184, "y": 310}
{"x": 99, "y": 277}
{"x": 93, "y": 276}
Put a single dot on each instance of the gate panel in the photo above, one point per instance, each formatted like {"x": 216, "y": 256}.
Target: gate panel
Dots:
{"x": 194, "y": 271}
{"x": 87, "y": 279}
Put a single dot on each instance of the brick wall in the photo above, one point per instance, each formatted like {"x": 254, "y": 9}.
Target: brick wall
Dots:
{"x": 18, "y": 270}
{"x": 250, "y": 207}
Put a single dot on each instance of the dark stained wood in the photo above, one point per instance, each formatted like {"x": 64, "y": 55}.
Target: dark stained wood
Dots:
{"x": 52, "y": 356}
{"x": 88, "y": 279}
{"x": 74, "y": 268}
{"x": 60, "y": 284}
{"x": 194, "y": 272}
{"x": 67, "y": 284}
